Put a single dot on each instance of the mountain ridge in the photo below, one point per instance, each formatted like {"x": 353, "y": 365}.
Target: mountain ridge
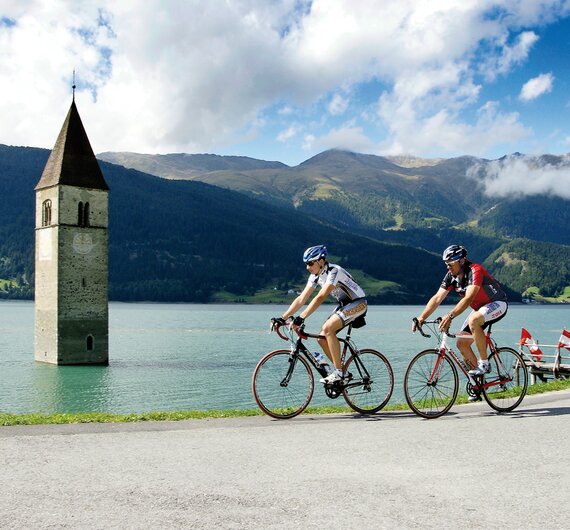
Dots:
{"x": 176, "y": 240}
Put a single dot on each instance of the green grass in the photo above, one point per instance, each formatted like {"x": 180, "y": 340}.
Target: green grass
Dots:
{"x": 8, "y": 283}
{"x": 534, "y": 293}
{"x": 270, "y": 295}
{"x": 7, "y": 419}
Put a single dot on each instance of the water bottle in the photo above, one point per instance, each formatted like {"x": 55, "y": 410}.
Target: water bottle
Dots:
{"x": 318, "y": 356}
{"x": 323, "y": 367}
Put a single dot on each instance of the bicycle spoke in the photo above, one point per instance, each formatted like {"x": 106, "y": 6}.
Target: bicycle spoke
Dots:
{"x": 430, "y": 384}
{"x": 505, "y": 386}
{"x": 278, "y": 391}
{"x": 372, "y": 381}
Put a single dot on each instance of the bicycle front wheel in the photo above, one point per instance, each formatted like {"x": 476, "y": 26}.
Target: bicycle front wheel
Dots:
{"x": 282, "y": 384}
{"x": 372, "y": 381}
{"x": 431, "y": 384}
{"x": 505, "y": 386}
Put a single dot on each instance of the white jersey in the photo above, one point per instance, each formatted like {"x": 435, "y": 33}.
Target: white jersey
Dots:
{"x": 346, "y": 289}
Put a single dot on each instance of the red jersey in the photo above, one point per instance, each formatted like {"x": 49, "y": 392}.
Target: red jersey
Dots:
{"x": 475, "y": 274}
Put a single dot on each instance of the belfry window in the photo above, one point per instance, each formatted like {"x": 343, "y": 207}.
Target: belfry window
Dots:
{"x": 89, "y": 343}
{"x": 46, "y": 213}
{"x": 83, "y": 214}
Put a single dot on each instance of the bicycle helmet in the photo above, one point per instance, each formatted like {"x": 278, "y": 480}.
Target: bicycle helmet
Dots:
{"x": 315, "y": 253}
{"x": 453, "y": 253}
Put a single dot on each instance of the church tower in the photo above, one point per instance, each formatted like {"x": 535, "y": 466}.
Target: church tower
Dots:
{"x": 71, "y": 276}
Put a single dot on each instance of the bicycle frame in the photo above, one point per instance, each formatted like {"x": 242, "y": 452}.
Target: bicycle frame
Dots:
{"x": 444, "y": 348}
{"x": 283, "y": 380}
{"x": 298, "y": 347}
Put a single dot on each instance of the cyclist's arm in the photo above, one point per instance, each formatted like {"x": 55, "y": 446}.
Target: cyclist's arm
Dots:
{"x": 433, "y": 304}
{"x": 300, "y": 301}
{"x": 317, "y": 300}
{"x": 462, "y": 305}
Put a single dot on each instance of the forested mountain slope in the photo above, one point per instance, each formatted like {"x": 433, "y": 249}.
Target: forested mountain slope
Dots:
{"x": 185, "y": 240}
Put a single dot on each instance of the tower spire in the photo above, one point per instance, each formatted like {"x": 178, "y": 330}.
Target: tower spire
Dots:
{"x": 73, "y": 86}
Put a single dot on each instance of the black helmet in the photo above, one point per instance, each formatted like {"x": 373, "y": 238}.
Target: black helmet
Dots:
{"x": 453, "y": 253}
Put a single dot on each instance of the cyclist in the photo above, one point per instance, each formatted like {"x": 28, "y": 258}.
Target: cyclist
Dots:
{"x": 477, "y": 289}
{"x": 333, "y": 280}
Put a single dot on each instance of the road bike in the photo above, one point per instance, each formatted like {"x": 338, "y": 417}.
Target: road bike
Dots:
{"x": 431, "y": 382}
{"x": 283, "y": 381}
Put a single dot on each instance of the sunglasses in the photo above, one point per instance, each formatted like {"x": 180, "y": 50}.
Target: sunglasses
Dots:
{"x": 451, "y": 263}
{"x": 310, "y": 263}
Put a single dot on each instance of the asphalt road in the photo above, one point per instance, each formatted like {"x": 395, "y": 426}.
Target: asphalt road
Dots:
{"x": 472, "y": 469}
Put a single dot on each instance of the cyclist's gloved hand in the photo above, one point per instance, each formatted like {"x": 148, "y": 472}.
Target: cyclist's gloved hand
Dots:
{"x": 415, "y": 324}
{"x": 298, "y": 321}
{"x": 278, "y": 320}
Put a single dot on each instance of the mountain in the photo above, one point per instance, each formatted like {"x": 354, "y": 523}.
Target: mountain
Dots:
{"x": 186, "y": 166}
{"x": 190, "y": 241}
{"x": 375, "y": 195}
{"x": 228, "y": 234}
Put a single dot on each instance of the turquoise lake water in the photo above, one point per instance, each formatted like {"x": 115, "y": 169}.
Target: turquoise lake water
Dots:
{"x": 188, "y": 356}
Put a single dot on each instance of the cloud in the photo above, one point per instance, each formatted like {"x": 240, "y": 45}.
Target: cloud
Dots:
{"x": 518, "y": 176}
{"x": 337, "y": 105}
{"x": 189, "y": 75}
{"x": 536, "y": 87}
{"x": 292, "y": 131}
{"x": 348, "y": 137}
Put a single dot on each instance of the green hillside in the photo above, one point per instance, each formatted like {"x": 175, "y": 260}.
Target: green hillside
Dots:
{"x": 187, "y": 240}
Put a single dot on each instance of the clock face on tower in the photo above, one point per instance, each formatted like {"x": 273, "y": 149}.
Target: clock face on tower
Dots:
{"x": 83, "y": 243}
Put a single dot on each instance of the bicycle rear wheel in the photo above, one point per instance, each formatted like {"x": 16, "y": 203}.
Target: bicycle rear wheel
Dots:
{"x": 282, "y": 384}
{"x": 372, "y": 381}
{"x": 431, "y": 384}
{"x": 506, "y": 384}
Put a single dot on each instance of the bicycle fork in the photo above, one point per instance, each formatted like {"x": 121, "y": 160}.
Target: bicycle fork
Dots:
{"x": 436, "y": 371}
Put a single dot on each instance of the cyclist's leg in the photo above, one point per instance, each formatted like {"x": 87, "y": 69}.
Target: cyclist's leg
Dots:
{"x": 343, "y": 316}
{"x": 464, "y": 345}
{"x": 476, "y": 322}
{"x": 330, "y": 344}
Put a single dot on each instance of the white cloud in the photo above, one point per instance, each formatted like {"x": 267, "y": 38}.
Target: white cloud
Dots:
{"x": 291, "y": 131}
{"x": 518, "y": 176}
{"x": 190, "y": 75}
{"x": 337, "y": 105}
{"x": 536, "y": 87}
{"x": 348, "y": 137}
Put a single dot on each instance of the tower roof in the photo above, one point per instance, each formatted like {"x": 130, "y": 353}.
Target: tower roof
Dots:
{"x": 72, "y": 161}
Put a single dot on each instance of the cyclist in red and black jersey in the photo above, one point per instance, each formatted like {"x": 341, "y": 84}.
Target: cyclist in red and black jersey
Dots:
{"x": 478, "y": 290}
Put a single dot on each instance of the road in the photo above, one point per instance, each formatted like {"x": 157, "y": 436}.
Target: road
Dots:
{"x": 472, "y": 468}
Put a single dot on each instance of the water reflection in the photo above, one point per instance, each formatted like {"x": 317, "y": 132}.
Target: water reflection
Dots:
{"x": 70, "y": 388}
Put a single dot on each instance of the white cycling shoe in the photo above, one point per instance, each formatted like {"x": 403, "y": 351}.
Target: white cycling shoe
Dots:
{"x": 333, "y": 377}
{"x": 483, "y": 367}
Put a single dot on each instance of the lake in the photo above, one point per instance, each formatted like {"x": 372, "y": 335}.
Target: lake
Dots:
{"x": 188, "y": 356}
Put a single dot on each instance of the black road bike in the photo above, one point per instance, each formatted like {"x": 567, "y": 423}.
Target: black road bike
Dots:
{"x": 283, "y": 382}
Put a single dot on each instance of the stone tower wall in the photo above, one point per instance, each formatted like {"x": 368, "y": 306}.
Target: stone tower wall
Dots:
{"x": 72, "y": 286}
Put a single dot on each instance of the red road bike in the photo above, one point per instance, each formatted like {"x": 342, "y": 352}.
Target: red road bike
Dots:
{"x": 431, "y": 382}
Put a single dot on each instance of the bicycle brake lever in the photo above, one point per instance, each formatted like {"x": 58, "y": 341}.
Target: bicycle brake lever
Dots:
{"x": 419, "y": 328}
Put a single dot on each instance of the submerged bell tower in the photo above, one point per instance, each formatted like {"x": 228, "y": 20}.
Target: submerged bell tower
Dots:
{"x": 71, "y": 261}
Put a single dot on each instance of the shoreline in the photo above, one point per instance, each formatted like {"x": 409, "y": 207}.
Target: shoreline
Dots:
{"x": 11, "y": 420}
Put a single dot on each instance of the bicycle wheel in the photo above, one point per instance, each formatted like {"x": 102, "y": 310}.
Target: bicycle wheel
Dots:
{"x": 431, "y": 384}
{"x": 372, "y": 381}
{"x": 282, "y": 384}
{"x": 506, "y": 384}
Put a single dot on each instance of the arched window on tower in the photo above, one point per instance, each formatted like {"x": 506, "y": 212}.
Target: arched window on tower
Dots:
{"x": 83, "y": 214}
{"x": 89, "y": 342}
{"x": 46, "y": 213}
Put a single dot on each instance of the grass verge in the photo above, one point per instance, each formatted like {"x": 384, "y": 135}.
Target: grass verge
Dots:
{"x": 7, "y": 419}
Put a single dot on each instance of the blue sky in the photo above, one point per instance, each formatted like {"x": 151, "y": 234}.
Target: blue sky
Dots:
{"x": 286, "y": 79}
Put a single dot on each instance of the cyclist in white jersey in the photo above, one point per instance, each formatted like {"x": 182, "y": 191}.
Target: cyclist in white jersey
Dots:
{"x": 333, "y": 280}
